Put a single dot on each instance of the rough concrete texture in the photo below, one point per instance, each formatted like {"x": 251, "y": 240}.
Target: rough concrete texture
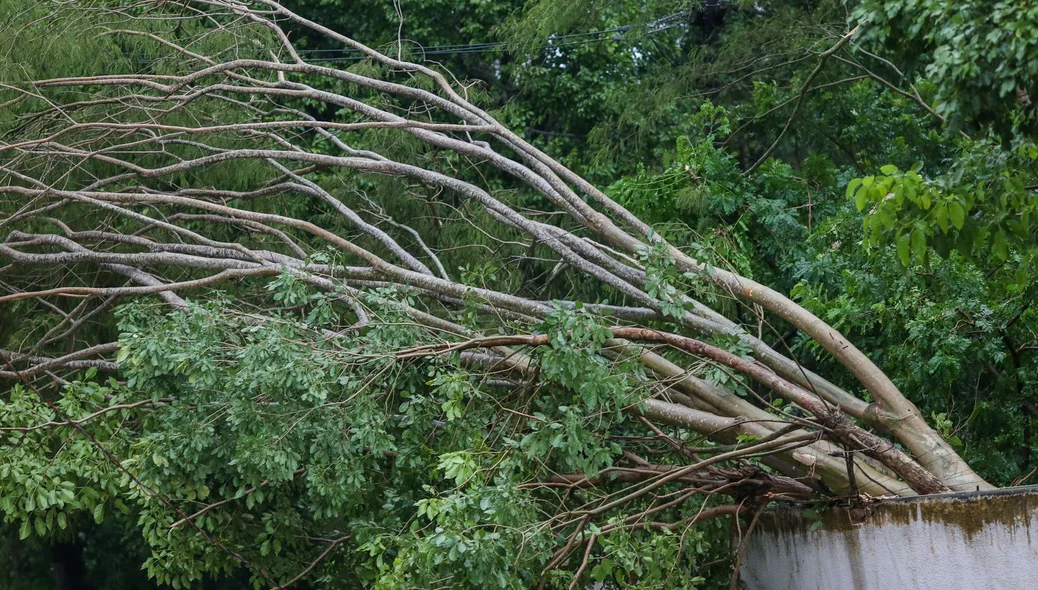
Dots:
{"x": 944, "y": 542}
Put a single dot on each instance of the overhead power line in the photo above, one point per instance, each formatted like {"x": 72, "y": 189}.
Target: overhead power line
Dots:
{"x": 554, "y": 42}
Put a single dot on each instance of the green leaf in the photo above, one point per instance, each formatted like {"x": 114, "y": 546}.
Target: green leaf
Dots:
{"x": 41, "y": 527}
{"x": 940, "y": 212}
{"x": 903, "y": 249}
{"x": 919, "y": 243}
{"x": 889, "y": 169}
{"x": 25, "y": 530}
{"x": 957, "y": 214}
{"x": 852, "y": 187}
{"x": 861, "y": 199}
{"x": 1000, "y": 246}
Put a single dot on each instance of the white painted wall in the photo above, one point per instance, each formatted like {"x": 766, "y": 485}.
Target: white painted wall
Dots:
{"x": 968, "y": 541}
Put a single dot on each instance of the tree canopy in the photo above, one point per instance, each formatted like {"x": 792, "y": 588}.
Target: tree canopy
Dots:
{"x": 500, "y": 294}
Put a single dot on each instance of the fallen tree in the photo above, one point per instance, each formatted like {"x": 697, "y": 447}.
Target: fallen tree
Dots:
{"x": 318, "y": 344}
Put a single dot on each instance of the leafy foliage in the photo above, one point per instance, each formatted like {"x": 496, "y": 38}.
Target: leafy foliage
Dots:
{"x": 281, "y": 442}
{"x": 980, "y": 56}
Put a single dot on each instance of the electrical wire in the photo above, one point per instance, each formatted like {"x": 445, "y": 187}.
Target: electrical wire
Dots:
{"x": 554, "y": 42}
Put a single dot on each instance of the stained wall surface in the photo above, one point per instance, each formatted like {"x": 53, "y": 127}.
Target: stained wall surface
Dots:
{"x": 953, "y": 541}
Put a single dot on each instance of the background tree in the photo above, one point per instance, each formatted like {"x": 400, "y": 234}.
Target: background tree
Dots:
{"x": 439, "y": 357}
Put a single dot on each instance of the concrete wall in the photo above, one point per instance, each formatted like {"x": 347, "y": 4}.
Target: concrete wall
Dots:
{"x": 969, "y": 540}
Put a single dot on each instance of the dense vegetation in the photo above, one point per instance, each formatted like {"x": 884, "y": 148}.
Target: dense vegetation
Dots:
{"x": 291, "y": 324}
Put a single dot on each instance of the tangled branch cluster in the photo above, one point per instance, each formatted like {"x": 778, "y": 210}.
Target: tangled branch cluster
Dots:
{"x": 122, "y": 186}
